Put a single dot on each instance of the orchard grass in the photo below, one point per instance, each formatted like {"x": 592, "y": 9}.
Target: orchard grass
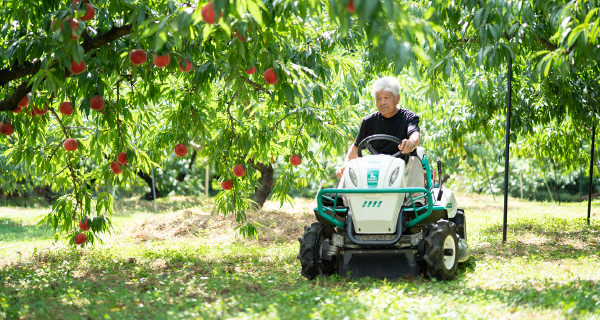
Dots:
{"x": 548, "y": 269}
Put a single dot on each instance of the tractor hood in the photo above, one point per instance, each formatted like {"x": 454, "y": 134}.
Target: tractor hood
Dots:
{"x": 374, "y": 172}
{"x": 372, "y": 212}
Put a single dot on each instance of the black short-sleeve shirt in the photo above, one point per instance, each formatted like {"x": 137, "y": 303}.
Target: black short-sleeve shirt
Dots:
{"x": 401, "y": 125}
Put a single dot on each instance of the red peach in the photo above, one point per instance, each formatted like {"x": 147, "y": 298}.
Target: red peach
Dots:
{"x": 137, "y": 56}
{"x": 24, "y": 101}
{"x": 80, "y": 238}
{"x": 181, "y": 150}
{"x": 187, "y": 63}
{"x": 350, "y": 7}
{"x": 115, "y": 167}
{"x": 295, "y": 160}
{"x": 6, "y": 128}
{"x": 251, "y": 70}
{"x": 84, "y": 224}
{"x": 208, "y": 13}
{"x": 227, "y": 184}
{"x": 77, "y": 67}
{"x": 162, "y": 61}
{"x": 90, "y": 12}
{"x": 239, "y": 36}
{"x": 66, "y": 108}
{"x": 40, "y": 111}
{"x": 239, "y": 171}
{"x": 122, "y": 158}
{"x": 70, "y": 144}
{"x": 270, "y": 76}
{"x": 97, "y": 103}
{"x": 74, "y": 25}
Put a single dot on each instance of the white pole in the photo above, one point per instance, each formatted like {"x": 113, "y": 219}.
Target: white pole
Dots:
{"x": 206, "y": 182}
{"x": 154, "y": 192}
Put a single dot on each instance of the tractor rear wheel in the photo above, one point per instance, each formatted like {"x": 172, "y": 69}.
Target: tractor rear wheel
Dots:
{"x": 441, "y": 250}
{"x": 310, "y": 251}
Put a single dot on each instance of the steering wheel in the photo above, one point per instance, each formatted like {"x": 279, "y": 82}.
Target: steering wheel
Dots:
{"x": 366, "y": 144}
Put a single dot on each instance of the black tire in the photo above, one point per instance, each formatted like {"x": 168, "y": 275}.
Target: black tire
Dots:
{"x": 310, "y": 251}
{"x": 441, "y": 250}
{"x": 461, "y": 223}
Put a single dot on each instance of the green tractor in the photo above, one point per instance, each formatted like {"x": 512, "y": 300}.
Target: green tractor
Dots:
{"x": 376, "y": 226}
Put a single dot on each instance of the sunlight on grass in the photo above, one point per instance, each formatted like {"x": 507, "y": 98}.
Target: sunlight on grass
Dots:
{"x": 548, "y": 269}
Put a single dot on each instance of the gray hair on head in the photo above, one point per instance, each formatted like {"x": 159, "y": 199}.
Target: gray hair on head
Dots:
{"x": 389, "y": 84}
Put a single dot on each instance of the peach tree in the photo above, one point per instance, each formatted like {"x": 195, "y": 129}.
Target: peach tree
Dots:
{"x": 94, "y": 93}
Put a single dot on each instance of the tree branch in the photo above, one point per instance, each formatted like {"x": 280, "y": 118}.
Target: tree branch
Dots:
{"x": 9, "y": 74}
{"x": 11, "y": 102}
{"x": 256, "y": 86}
{"x": 545, "y": 43}
{"x": 105, "y": 38}
{"x": 30, "y": 68}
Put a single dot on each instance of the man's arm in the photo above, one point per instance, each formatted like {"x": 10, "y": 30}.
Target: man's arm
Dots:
{"x": 352, "y": 154}
{"x": 408, "y": 145}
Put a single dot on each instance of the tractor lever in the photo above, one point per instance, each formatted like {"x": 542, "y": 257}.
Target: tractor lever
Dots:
{"x": 439, "y": 173}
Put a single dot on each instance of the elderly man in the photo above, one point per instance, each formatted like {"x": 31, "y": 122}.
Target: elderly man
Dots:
{"x": 389, "y": 119}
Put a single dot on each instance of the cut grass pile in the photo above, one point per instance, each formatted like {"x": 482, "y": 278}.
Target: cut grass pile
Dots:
{"x": 185, "y": 263}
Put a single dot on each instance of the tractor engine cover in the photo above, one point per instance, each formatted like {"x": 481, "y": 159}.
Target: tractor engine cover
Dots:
{"x": 375, "y": 213}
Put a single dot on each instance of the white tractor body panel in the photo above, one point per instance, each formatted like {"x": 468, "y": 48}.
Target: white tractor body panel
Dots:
{"x": 448, "y": 201}
{"x": 375, "y": 213}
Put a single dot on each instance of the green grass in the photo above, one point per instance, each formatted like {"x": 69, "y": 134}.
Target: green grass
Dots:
{"x": 548, "y": 269}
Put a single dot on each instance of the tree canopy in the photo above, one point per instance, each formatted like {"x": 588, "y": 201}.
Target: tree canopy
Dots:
{"x": 254, "y": 83}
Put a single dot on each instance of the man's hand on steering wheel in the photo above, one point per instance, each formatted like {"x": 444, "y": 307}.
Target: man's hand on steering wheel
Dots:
{"x": 406, "y": 146}
{"x": 340, "y": 171}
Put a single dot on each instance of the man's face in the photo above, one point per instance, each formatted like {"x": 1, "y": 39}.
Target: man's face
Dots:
{"x": 386, "y": 103}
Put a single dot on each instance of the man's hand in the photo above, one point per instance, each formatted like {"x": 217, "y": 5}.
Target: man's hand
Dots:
{"x": 407, "y": 146}
{"x": 340, "y": 171}
{"x": 352, "y": 154}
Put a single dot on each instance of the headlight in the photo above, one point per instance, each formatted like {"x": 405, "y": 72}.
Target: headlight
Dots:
{"x": 353, "y": 177}
{"x": 394, "y": 175}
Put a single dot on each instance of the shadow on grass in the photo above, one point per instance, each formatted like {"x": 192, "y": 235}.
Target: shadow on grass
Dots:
{"x": 550, "y": 239}
{"x": 11, "y": 230}
{"x": 167, "y": 287}
{"x": 174, "y": 284}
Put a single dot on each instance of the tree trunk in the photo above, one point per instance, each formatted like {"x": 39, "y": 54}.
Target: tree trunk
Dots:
{"x": 161, "y": 190}
{"x": 148, "y": 179}
{"x": 556, "y": 186}
{"x": 182, "y": 174}
{"x": 548, "y": 187}
{"x": 263, "y": 190}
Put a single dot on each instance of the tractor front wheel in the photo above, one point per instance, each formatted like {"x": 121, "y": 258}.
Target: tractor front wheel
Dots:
{"x": 441, "y": 250}
{"x": 310, "y": 251}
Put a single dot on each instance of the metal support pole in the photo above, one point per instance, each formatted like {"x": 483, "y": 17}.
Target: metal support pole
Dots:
{"x": 591, "y": 174}
{"x": 507, "y": 148}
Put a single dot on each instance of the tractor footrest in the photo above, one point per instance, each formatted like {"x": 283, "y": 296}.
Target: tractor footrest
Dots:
{"x": 337, "y": 217}
{"x": 379, "y": 263}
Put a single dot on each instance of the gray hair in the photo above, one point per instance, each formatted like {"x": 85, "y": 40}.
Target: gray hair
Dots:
{"x": 389, "y": 84}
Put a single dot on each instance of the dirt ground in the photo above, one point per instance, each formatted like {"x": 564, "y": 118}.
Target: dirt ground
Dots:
{"x": 276, "y": 224}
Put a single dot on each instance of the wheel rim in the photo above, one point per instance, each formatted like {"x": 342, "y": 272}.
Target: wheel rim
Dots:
{"x": 319, "y": 262}
{"x": 449, "y": 252}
